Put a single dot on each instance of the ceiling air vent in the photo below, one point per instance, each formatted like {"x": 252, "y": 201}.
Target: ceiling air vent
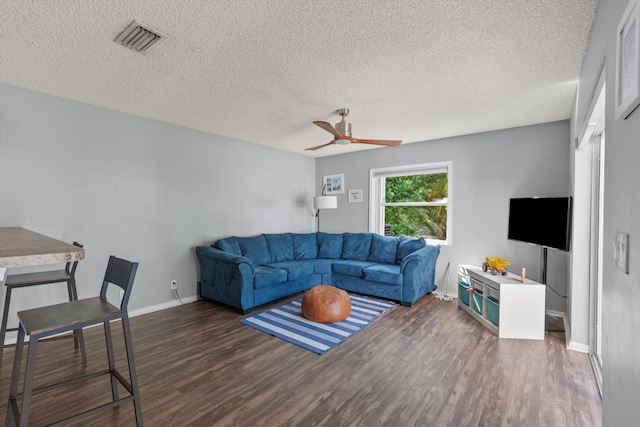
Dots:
{"x": 140, "y": 38}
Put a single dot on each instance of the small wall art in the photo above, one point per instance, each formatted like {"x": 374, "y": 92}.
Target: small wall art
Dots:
{"x": 333, "y": 184}
{"x": 355, "y": 196}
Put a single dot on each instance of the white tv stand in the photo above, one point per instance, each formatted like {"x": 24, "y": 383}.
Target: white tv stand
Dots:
{"x": 521, "y": 308}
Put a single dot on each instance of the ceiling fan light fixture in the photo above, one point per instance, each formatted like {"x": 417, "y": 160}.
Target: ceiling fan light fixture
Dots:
{"x": 342, "y": 134}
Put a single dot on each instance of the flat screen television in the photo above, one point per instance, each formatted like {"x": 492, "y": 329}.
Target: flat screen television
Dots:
{"x": 544, "y": 221}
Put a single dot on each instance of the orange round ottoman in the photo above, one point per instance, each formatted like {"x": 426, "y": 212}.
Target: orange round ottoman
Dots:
{"x": 326, "y": 304}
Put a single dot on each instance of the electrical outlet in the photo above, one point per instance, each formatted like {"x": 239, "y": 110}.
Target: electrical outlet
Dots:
{"x": 121, "y": 294}
{"x": 174, "y": 284}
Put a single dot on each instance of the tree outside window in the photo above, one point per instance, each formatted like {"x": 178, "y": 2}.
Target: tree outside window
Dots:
{"x": 412, "y": 200}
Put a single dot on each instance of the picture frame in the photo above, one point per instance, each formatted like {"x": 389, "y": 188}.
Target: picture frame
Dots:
{"x": 355, "y": 196}
{"x": 627, "y": 96}
{"x": 333, "y": 184}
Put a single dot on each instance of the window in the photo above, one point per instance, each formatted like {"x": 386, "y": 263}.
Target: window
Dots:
{"x": 413, "y": 200}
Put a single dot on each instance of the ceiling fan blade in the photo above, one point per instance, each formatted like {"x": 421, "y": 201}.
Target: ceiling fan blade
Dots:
{"x": 329, "y": 128}
{"x": 387, "y": 142}
{"x": 320, "y": 146}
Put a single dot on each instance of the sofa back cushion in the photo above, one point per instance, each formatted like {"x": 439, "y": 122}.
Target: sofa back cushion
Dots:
{"x": 280, "y": 247}
{"x": 255, "y": 248}
{"x": 329, "y": 245}
{"x": 230, "y": 245}
{"x": 384, "y": 249}
{"x": 409, "y": 245}
{"x": 356, "y": 246}
{"x": 305, "y": 246}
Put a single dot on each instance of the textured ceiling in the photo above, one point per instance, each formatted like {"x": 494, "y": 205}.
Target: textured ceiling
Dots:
{"x": 263, "y": 70}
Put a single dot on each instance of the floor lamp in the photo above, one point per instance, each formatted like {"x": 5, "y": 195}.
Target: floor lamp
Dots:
{"x": 323, "y": 202}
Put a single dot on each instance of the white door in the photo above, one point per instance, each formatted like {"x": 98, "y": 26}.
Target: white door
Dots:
{"x": 597, "y": 198}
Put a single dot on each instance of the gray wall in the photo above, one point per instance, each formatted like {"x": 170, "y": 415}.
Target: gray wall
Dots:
{"x": 621, "y": 292}
{"x": 488, "y": 169}
{"x": 139, "y": 189}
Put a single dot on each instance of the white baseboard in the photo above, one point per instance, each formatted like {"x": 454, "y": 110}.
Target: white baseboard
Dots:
{"x": 561, "y": 315}
{"x": 579, "y": 347}
{"x": 572, "y": 345}
{"x": 163, "y": 306}
{"x": 443, "y": 293}
{"x": 132, "y": 313}
{"x": 555, "y": 313}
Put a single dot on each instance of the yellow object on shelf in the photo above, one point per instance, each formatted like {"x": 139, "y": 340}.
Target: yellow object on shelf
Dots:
{"x": 496, "y": 265}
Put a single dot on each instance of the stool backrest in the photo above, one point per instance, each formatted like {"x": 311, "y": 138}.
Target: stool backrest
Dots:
{"x": 121, "y": 273}
{"x": 70, "y": 268}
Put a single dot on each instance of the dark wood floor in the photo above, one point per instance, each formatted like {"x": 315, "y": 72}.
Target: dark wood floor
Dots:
{"x": 429, "y": 365}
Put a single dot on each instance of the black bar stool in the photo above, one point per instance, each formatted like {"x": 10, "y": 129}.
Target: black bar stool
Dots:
{"x": 68, "y": 275}
{"x": 44, "y": 322}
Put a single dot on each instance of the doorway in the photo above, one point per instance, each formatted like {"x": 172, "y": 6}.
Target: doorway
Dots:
{"x": 594, "y": 140}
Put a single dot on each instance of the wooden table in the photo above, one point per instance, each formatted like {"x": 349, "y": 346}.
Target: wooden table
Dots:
{"x": 20, "y": 247}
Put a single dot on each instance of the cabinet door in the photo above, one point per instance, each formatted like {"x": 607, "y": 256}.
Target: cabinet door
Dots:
{"x": 522, "y": 311}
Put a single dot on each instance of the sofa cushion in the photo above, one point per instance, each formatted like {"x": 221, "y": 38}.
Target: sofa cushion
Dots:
{"x": 322, "y": 266}
{"x": 280, "y": 247}
{"x": 305, "y": 246}
{"x": 351, "y": 268}
{"x": 356, "y": 246}
{"x": 384, "y": 249}
{"x": 409, "y": 245}
{"x": 267, "y": 276}
{"x": 329, "y": 245}
{"x": 385, "y": 273}
{"x": 255, "y": 248}
{"x": 295, "y": 269}
{"x": 230, "y": 245}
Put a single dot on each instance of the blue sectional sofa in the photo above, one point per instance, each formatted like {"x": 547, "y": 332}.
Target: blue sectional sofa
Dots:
{"x": 245, "y": 272}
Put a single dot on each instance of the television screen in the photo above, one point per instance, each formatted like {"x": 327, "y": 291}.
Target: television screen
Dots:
{"x": 544, "y": 221}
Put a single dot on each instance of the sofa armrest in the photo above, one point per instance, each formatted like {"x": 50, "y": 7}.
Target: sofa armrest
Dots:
{"x": 225, "y": 277}
{"x": 217, "y": 255}
{"x": 419, "y": 272}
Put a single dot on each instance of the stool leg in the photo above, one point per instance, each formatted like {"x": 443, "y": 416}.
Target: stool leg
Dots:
{"x": 5, "y": 315}
{"x": 128, "y": 342}
{"x": 28, "y": 381}
{"x": 83, "y": 352}
{"x": 28, "y": 377}
{"x": 72, "y": 298}
{"x": 78, "y": 335}
{"x": 112, "y": 360}
{"x": 15, "y": 377}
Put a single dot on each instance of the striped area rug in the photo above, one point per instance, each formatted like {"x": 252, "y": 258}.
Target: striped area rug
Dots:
{"x": 286, "y": 322}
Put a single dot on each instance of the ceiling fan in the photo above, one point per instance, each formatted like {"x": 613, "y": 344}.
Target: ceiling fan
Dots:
{"x": 342, "y": 133}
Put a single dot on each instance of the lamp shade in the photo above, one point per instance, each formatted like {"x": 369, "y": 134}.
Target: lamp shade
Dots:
{"x": 325, "y": 202}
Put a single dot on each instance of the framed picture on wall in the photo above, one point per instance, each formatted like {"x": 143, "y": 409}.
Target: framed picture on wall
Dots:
{"x": 355, "y": 196}
{"x": 628, "y": 61}
{"x": 333, "y": 184}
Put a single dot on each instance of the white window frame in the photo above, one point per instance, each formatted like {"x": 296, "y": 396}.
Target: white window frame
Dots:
{"x": 377, "y": 194}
